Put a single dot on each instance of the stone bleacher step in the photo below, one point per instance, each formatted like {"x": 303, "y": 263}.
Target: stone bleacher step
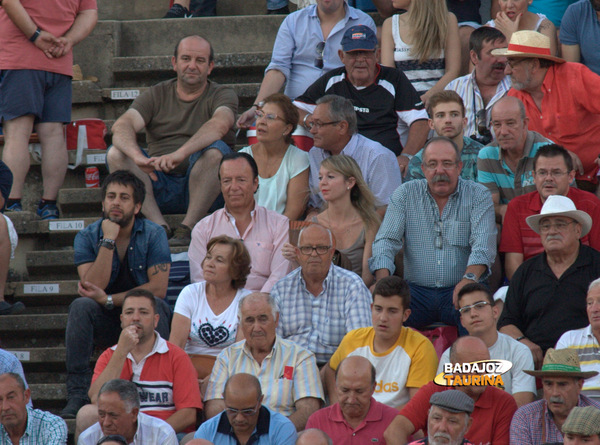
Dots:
{"x": 94, "y": 157}
{"x": 41, "y": 293}
{"x": 27, "y": 325}
{"x": 243, "y": 90}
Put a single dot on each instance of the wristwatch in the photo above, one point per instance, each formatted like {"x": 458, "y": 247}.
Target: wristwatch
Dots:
{"x": 471, "y": 276}
{"x": 108, "y": 243}
{"x": 109, "y": 303}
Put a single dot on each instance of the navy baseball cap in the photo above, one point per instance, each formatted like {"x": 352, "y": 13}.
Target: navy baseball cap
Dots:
{"x": 359, "y": 38}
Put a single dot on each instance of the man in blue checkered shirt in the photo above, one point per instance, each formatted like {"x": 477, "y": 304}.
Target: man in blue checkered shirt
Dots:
{"x": 446, "y": 226}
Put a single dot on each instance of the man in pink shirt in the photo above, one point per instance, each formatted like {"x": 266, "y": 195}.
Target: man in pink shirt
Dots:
{"x": 263, "y": 231}
{"x": 36, "y": 66}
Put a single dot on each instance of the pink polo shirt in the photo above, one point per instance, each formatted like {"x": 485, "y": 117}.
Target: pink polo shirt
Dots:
{"x": 331, "y": 421}
{"x": 264, "y": 239}
{"x": 54, "y": 16}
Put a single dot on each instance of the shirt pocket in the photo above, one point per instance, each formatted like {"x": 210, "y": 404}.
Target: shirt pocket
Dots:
{"x": 261, "y": 254}
{"x": 459, "y": 233}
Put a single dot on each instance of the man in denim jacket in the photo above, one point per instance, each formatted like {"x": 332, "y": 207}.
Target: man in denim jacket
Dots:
{"x": 117, "y": 253}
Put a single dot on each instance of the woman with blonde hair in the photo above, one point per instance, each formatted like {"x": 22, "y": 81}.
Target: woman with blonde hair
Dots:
{"x": 349, "y": 213}
{"x": 424, "y": 43}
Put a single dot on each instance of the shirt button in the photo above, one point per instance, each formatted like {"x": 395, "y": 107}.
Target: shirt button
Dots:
{"x": 131, "y": 248}
{"x": 139, "y": 267}
{"x": 439, "y": 262}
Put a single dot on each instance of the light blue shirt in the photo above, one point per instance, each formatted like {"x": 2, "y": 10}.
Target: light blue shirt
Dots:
{"x": 271, "y": 429}
{"x": 42, "y": 428}
{"x": 294, "y": 52}
{"x": 466, "y": 226}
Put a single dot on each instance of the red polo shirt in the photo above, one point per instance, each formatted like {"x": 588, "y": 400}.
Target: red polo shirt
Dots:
{"x": 570, "y": 113}
{"x": 518, "y": 237}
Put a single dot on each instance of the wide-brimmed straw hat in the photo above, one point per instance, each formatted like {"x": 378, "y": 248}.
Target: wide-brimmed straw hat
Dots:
{"x": 528, "y": 44}
{"x": 562, "y": 363}
{"x": 558, "y": 205}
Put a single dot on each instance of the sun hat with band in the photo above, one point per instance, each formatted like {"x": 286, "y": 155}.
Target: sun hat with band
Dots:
{"x": 562, "y": 363}
{"x": 558, "y": 205}
{"x": 528, "y": 44}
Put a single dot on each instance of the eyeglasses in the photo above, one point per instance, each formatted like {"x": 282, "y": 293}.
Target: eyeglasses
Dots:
{"x": 466, "y": 310}
{"x": 558, "y": 225}
{"x": 319, "y": 59}
{"x": 551, "y": 173}
{"x": 438, "y": 239}
{"x": 247, "y": 412}
{"x": 318, "y": 125}
{"x": 514, "y": 62}
{"x": 268, "y": 116}
{"x": 445, "y": 165}
{"x": 308, "y": 250}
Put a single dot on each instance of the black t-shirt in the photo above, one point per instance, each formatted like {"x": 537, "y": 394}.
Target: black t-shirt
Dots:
{"x": 124, "y": 280}
{"x": 465, "y": 10}
{"x": 380, "y": 108}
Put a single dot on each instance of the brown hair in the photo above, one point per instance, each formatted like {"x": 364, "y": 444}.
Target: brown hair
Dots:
{"x": 290, "y": 112}
{"x": 239, "y": 263}
{"x": 442, "y": 97}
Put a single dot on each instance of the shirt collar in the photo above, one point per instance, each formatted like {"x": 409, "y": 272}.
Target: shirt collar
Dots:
{"x": 549, "y": 79}
{"x": 325, "y": 281}
{"x": 262, "y": 426}
{"x": 375, "y": 413}
{"x": 247, "y": 351}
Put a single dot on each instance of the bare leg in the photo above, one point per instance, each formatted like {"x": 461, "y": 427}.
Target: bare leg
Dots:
{"x": 184, "y": 3}
{"x": 464, "y": 32}
{"x": 203, "y": 185}
{"x": 118, "y": 161}
{"x": 16, "y": 154}
{"x": 54, "y": 157}
{"x": 4, "y": 255}
{"x": 86, "y": 417}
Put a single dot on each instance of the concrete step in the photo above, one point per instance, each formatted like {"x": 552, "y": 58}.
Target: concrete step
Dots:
{"x": 89, "y": 157}
{"x": 79, "y": 202}
{"x": 35, "y": 356}
{"x": 36, "y": 294}
{"x": 154, "y": 9}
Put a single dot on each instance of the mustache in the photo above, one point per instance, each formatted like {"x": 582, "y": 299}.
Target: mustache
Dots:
{"x": 557, "y": 399}
{"x": 440, "y": 178}
{"x": 551, "y": 237}
{"x": 440, "y": 435}
{"x": 499, "y": 65}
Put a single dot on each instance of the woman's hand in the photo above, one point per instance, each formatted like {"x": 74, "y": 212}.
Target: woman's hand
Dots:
{"x": 289, "y": 252}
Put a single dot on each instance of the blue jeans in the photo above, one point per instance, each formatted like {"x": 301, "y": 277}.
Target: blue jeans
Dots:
{"x": 90, "y": 324}
{"x": 432, "y": 305}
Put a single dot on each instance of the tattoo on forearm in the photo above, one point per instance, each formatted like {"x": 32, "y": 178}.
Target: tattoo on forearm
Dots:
{"x": 159, "y": 268}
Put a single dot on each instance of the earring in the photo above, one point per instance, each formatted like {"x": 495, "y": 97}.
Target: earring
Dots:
{"x": 347, "y": 188}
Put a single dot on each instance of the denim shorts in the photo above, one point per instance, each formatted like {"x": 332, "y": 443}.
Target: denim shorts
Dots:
{"x": 171, "y": 192}
{"x": 45, "y": 95}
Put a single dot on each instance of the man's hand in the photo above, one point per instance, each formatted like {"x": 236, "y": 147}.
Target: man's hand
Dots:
{"x": 289, "y": 252}
{"x": 403, "y": 164}
{"x": 46, "y": 42}
{"x": 63, "y": 47}
{"x": 145, "y": 164}
{"x": 166, "y": 163}
{"x": 110, "y": 229}
{"x": 128, "y": 339}
{"x": 247, "y": 118}
{"x": 536, "y": 351}
{"x": 90, "y": 290}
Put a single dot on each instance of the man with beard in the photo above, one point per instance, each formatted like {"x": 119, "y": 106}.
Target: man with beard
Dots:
{"x": 166, "y": 380}
{"x": 117, "y": 253}
{"x": 580, "y": 34}
{"x": 561, "y": 99}
{"x": 446, "y": 226}
{"x": 506, "y": 165}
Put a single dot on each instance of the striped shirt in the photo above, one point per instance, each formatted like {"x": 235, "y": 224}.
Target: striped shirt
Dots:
{"x": 526, "y": 425}
{"x": 466, "y": 227}
{"x": 585, "y": 343}
{"x": 467, "y": 88}
{"x": 320, "y": 323}
{"x": 496, "y": 175}
{"x": 42, "y": 428}
{"x": 468, "y": 156}
{"x": 287, "y": 374}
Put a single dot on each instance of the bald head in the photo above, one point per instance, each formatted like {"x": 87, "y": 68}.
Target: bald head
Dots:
{"x": 315, "y": 230}
{"x": 355, "y": 367}
{"x": 198, "y": 41}
{"x": 468, "y": 349}
{"x": 313, "y": 436}
{"x": 242, "y": 385}
{"x": 509, "y": 104}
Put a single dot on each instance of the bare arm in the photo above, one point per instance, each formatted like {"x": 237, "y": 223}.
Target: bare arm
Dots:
{"x": 182, "y": 418}
{"x": 271, "y": 84}
{"x": 297, "y": 196}
{"x": 499, "y": 209}
{"x": 180, "y": 330}
{"x": 571, "y": 53}
{"x": 417, "y": 136}
{"x": 398, "y": 431}
{"x": 549, "y": 30}
{"x": 19, "y": 16}
{"x": 387, "y": 44}
{"x": 385, "y": 8}
{"x": 99, "y": 272}
{"x": 329, "y": 383}
{"x": 213, "y": 130}
{"x": 124, "y": 139}
{"x": 304, "y": 408}
{"x": 536, "y": 351}
{"x": 512, "y": 261}
{"x": 523, "y": 398}
{"x": 367, "y": 276}
{"x": 213, "y": 407}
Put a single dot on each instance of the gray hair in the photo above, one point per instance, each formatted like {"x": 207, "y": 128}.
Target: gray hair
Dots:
{"x": 442, "y": 139}
{"x": 17, "y": 377}
{"x": 594, "y": 284}
{"x": 341, "y": 109}
{"x": 267, "y": 298}
{"x": 126, "y": 390}
{"x": 315, "y": 431}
